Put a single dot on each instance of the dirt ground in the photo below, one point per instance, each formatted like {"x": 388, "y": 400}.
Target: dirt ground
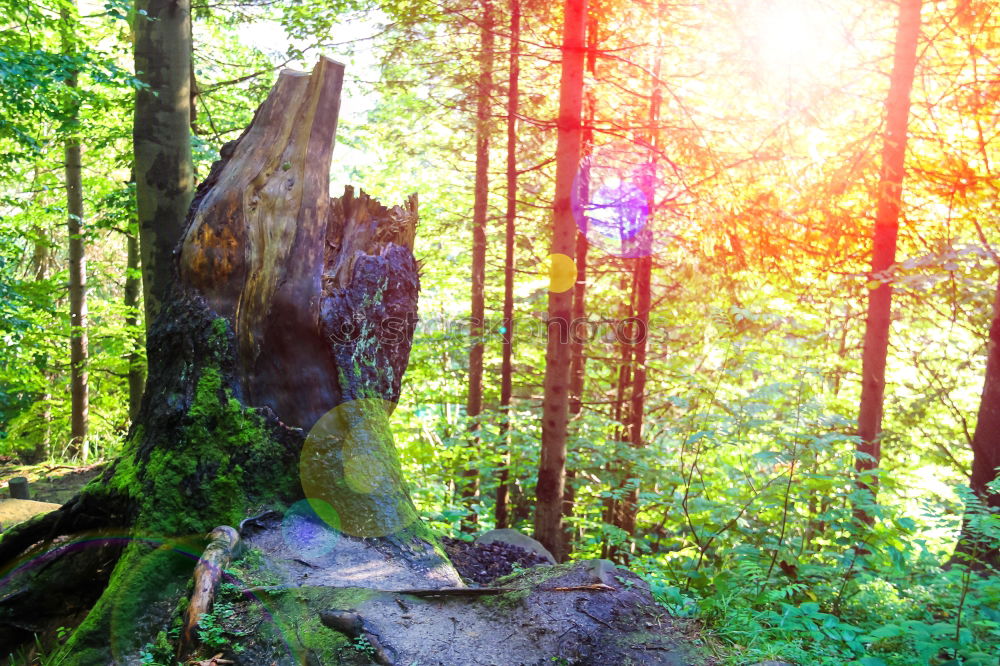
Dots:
{"x": 48, "y": 482}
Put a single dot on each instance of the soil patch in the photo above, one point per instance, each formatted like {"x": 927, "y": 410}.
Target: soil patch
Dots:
{"x": 483, "y": 563}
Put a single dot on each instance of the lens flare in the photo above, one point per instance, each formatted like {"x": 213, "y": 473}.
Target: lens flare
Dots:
{"x": 618, "y": 192}
{"x": 310, "y": 527}
{"x": 349, "y": 463}
{"x": 562, "y": 273}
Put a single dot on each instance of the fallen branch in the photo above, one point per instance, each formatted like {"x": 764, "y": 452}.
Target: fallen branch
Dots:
{"x": 222, "y": 543}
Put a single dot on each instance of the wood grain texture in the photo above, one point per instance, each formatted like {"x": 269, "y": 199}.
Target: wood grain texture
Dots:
{"x": 305, "y": 280}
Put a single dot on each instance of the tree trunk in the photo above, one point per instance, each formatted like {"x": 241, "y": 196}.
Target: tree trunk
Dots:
{"x": 275, "y": 362}
{"x": 974, "y": 544}
{"x": 162, "y": 139}
{"x": 39, "y": 272}
{"x": 876, "y": 344}
{"x": 640, "y": 324}
{"x": 474, "y": 403}
{"x": 502, "y": 510}
{"x": 555, "y": 402}
{"x": 79, "y": 390}
{"x": 578, "y": 356}
{"x": 617, "y": 471}
{"x": 136, "y": 366}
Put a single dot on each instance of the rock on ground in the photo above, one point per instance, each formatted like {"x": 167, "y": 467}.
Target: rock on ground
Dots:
{"x": 299, "y": 597}
{"x": 585, "y": 613}
{"x": 13, "y": 511}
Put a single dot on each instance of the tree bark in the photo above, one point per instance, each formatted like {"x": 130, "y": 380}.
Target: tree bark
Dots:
{"x": 39, "y": 271}
{"x": 555, "y": 402}
{"x": 876, "y": 343}
{"x": 502, "y": 510}
{"x": 474, "y": 402}
{"x": 162, "y": 139}
{"x": 640, "y": 325}
{"x": 617, "y": 471}
{"x": 222, "y": 545}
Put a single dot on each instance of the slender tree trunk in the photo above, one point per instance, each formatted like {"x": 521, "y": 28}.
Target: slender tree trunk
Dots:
{"x": 39, "y": 272}
{"x": 133, "y": 284}
{"x": 577, "y": 370}
{"x": 474, "y": 403}
{"x": 642, "y": 289}
{"x": 555, "y": 402}
{"x": 617, "y": 471}
{"x": 162, "y": 138}
{"x": 79, "y": 390}
{"x": 876, "y": 344}
{"x": 502, "y": 510}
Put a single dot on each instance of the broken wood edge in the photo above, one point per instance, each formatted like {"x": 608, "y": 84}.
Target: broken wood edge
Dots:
{"x": 223, "y": 542}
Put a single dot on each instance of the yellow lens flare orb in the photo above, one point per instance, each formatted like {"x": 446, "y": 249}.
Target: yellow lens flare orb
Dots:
{"x": 562, "y": 273}
{"x": 364, "y": 473}
{"x": 350, "y": 470}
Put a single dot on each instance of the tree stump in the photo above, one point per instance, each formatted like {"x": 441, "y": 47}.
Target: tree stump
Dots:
{"x": 274, "y": 365}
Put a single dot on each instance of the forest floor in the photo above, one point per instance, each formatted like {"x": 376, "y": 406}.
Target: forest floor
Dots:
{"x": 48, "y": 482}
{"x": 583, "y": 612}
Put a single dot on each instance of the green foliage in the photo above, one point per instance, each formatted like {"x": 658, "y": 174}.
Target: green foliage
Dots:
{"x": 363, "y": 645}
{"x": 216, "y": 629}
{"x": 158, "y": 653}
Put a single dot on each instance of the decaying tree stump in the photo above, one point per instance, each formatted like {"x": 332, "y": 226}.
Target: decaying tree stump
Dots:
{"x": 273, "y": 366}
{"x": 292, "y": 270}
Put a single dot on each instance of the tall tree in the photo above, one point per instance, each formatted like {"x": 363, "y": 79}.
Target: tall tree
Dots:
{"x": 502, "y": 511}
{"x": 474, "y": 401}
{"x": 162, "y": 138}
{"x": 39, "y": 271}
{"x": 579, "y": 332}
{"x": 890, "y": 189}
{"x": 555, "y": 402}
{"x": 986, "y": 450}
{"x": 642, "y": 288}
{"x": 79, "y": 390}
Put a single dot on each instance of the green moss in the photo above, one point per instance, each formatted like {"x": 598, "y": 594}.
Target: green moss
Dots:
{"x": 524, "y": 583}
{"x": 324, "y": 643}
{"x": 221, "y": 458}
{"x": 196, "y": 483}
{"x": 252, "y": 570}
{"x": 220, "y": 330}
{"x": 298, "y": 617}
{"x": 142, "y": 592}
{"x": 291, "y": 628}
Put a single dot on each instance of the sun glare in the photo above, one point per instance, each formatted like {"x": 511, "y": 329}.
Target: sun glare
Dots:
{"x": 796, "y": 39}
